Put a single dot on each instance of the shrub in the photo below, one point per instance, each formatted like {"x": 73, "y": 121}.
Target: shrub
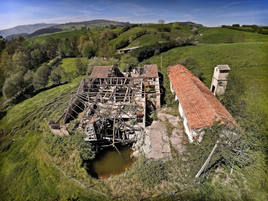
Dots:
{"x": 122, "y": 43}
{"x": 61, "y": 146}
{"x": 13, "y": 85}
{"x": 157, "y": 48}
{"x": 233, "y": 98}
{"x": 108, "y": 35}
{"x": 124, "y": 29}
{"x": 81, "y": 68}
{"x": 150, "y": 172}
{"x": 40, "y": 77}
{"x": 164, "y": 29}
{"x": 56, "y": 75}
{"x": 137, "y": 35}
{"x": 89, "y": 51}
{"x": 236, "y": 25}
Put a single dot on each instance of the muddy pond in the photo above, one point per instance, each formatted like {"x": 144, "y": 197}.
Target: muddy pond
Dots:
{"x": 110, "y": 162}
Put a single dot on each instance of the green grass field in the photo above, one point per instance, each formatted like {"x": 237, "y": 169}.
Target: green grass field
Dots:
{"x": 249, "y": 59}
{"x": 224, "y": 35}
{"x": 68, "y": 64}
{"x": 26, "y": 169}
{"x": 153, "y": 35}
{"x": 58, "y": 35}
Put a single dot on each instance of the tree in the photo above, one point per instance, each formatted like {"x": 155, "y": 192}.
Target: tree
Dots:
{"x": 2, "y": 43}
{"x": 36, "y": 57}
{"x": 236, "y": 25}
{"x": 40, "y": 78}
{"x": 28, "y": 78}
{"x": 127, "y": 62}
{"x": 21, "y": 60}
{"x": 107, "y": 35}
{"x": 176, "y": 25}
{"x": 88, "y": 50}
{"x": 55, "y": 75}
{"x": 50, "y": 47}
{"x": 81, "y": 68}
{"x": 13, "y": 85}
{"x": 68, "y": 48}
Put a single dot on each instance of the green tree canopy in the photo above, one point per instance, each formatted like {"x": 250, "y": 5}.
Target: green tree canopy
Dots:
{"x": 40, "y": 77}
{"x": 13, "y": 85}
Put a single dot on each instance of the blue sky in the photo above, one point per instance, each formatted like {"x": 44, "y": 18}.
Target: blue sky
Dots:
{"x": 209, "y": 12}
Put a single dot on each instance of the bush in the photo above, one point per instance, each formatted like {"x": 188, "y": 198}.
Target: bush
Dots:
{"x": 13, "y": 85}
{"x": 108, "y": 35}
{"x": 150, "y": 172}
{"x": 124, "y": 29}
{"x": 122, "y": 43}
{"x": 157, "y": 48}
{"x": 137, "y": 35}
{"x": 81, "y": 68}
{"x": 89, "y": 51}
{"x": 233, "y": 98}
{"x": 40, "y": 78}
{"x": 56, "y": 75}
{"x": 236, "y": 25}
{"x": 164, "y": 29}
{"x": 61, "y": 146}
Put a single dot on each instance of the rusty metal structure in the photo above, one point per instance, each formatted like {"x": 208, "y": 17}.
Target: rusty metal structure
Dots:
{"x": 110, "y": 106}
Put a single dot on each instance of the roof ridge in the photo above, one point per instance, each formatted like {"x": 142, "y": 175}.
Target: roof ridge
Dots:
{"x": 200, "y": 106}
{"x": 209, "y": 103}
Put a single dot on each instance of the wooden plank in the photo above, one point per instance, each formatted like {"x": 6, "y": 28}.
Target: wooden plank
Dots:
{"x": 207, "y": 161}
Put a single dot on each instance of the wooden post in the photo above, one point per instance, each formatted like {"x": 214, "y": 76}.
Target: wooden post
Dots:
{"x": 207, "y": 161}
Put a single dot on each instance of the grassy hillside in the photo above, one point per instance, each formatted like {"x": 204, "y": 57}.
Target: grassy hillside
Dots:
{"x": 152, "y": 34}
{"x": 250, "y": 60}
{"x": 224, "y": 35}
{"x": 29, "y": 172}
{"x": 58, "y": 35}
{"x": 69, "y": 66}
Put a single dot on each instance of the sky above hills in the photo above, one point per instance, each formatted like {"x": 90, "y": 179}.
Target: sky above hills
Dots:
{"x": 207, "y": 12}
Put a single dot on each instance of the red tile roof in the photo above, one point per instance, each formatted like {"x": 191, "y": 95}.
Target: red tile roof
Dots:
{"x": 151, "y": 71}
{"x": 200, "y": 106}
{"x": 101, "y": 71}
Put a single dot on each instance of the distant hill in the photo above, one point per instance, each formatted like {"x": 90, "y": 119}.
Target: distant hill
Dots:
{"x": 44, "y": 31}
{"x": 90, "y": 24}
{"x": 38, "y": 29}
{"x": 24, "y": 29}
{"x": 13, "y": 36}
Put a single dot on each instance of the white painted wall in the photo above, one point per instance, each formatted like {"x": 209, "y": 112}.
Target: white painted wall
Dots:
{"x": 189, "y": 132}
{"x": 185, "y": 124}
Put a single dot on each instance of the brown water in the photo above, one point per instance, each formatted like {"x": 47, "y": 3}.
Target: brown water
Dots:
{"x": 109, "y": 162}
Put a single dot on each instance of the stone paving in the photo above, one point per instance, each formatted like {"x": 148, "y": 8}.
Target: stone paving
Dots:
{"x": 156, "y": 144}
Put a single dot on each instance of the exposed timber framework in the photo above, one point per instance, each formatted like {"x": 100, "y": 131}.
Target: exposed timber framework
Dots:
{"x": 110, "y": 106}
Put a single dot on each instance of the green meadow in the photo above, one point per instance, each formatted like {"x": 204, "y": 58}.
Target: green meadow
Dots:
{"x": 29, "y": 172}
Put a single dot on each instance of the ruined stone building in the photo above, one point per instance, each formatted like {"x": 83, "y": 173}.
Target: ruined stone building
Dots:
{"x": 198, "y": 107}
{"x": 110, "y": 106}
{"x": 219, "y": 79}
